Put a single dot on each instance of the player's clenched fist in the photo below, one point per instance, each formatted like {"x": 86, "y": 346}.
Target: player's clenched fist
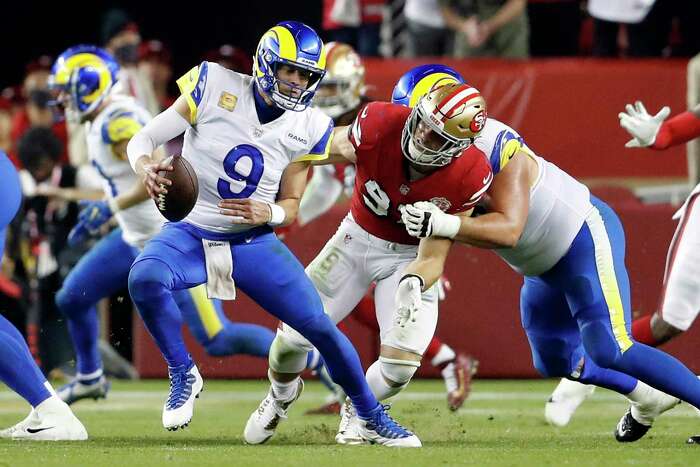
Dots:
{"x": 424, "y": 219}
{"x": 246, "y": 211}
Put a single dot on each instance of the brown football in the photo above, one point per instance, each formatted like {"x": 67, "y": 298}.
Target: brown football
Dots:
{"x": 182, "y": 194}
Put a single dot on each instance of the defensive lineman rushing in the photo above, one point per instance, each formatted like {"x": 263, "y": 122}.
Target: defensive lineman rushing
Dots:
{"x": 401, "y": 156}
{"x": 341, "y": 96}
{"x": 680, "y": 296}
{"x": 84, "y": 78}
{"x": 250, "y": 141}
{"x": 50, "y": 418}
{"x": 575, "y": 300}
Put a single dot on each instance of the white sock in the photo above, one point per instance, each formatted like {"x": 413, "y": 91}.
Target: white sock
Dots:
{"x": 283, "y": 391}
{"x": 95, "y": 374}
{"x": 49, "y": 388}
{"x": 445, "y": 354}
{"x": 642, "y": 394}
{"x": 377, "y": 383}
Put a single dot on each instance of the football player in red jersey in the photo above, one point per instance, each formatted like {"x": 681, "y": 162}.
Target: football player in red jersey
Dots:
{"x": 402, "y": 156}
{"x": 341, "y": 95}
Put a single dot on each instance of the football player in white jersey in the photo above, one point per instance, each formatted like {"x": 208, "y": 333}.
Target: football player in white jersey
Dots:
{"x": 250, "y": 141}
{"x": 575, "y": 300}
{"x": 84, "y": 77}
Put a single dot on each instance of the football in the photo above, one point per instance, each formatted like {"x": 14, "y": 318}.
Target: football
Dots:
{"x": 182, "y": 194}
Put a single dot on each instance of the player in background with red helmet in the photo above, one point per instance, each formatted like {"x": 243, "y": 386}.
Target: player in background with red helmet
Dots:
{"x": 401, "y": 155}
{"x": 341, "y": 95}
{"x": 680, "y": 296}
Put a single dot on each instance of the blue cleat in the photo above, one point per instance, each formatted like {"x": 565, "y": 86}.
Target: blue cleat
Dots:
{"x": 378, "y": 428}
{"x": 78, "y": 389}
{"x": 185, "y": 386}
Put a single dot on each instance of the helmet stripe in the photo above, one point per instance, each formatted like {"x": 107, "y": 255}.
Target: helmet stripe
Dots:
{"x": 64, "y": 72}
{"x": 426, "y": 84}
{"x": 454, "y": 100}
{"x": 288, "y": 46}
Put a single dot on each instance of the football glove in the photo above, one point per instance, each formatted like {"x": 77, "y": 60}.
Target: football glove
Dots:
{"x": 94, "y": 214}
{"x": 424, "y": 219}
{"x": 640, "y": 125}
{"x": 408, "y": 299}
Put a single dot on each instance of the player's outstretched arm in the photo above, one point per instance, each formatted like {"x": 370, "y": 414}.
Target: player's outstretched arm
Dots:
{"x": 167, "y": 125}
{"x": 658, "y": 132}
{"x": 501, "y": 227}
{"x": 342, "y": 150}
{"x": 282, "y": 212}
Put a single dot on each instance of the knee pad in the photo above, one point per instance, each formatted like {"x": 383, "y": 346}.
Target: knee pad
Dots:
{"x": 288, "y": 352}
{"x": 148, "y": 277}
{"x": 600, "y": 344}
{"x": 398, "y": 371}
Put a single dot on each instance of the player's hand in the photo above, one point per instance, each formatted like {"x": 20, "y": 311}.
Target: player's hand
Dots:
{"x": 246, "y": 211}
{"x": 424, "y": 219}
{"x": 155, "y": 184}
{"x": 640, "y": 125}
{"x": 407, "y": 300}
{"x": 92, "y": 217}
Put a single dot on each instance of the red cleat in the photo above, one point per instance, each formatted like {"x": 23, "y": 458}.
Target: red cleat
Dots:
{"x": 331, "y": 408}
{"x": 458, "y": 379}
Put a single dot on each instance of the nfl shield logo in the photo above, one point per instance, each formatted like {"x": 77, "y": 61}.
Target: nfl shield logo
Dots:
{"x": 404, "y": 189}
{"x": 257, "y": 132}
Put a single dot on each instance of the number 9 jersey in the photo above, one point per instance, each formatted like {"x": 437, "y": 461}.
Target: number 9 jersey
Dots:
{"x": 232, "y": 153}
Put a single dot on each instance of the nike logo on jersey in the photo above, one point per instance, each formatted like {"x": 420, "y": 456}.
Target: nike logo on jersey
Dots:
{"x": 37, "y": 430}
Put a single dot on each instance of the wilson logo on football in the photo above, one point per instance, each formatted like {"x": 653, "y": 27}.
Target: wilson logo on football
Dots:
{"x": 478, "y": 122}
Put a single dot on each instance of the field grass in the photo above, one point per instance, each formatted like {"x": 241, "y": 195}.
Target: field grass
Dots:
{"x": 501, "y": 424}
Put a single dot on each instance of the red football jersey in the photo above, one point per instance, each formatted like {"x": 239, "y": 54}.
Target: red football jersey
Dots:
{"x": 382, "y": 184}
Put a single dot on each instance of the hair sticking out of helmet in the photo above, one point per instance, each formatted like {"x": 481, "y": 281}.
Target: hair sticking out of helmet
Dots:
{"x": 418, "y": 81}
{"x": 443, "y": 124}
{"x": 82, "y": 77}
{"x": 294, "y": 45}
{"x": 343, "y": 86}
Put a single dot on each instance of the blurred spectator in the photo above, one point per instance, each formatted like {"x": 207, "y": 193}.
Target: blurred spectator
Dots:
{"x": 607, "y": 19}
{"x": 154, "y": 63}
{"x": 427, "y": 34}
{"x": 36, "y": 111}
{"x": 121, "y": 38}
{"x": 354, "y": 22}
{"x": 488, "y": 28}
{"x": 5, "y": 124}
{"x": 555, "y": 27}
{"x": 231, "y": 57}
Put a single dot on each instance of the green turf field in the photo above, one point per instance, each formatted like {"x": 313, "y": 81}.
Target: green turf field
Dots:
{"x": 501, "y": 424}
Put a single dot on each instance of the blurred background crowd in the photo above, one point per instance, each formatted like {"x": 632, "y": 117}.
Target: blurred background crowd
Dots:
{"x": 155, "y": 44}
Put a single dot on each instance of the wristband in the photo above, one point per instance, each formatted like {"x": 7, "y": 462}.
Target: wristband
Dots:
{"x": 277, "y": 214}
{"x": 420, "y": 279}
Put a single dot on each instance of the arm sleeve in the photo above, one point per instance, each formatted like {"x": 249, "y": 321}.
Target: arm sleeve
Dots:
{"x": 677, "y": 130}
{"x": 164, "y": 127}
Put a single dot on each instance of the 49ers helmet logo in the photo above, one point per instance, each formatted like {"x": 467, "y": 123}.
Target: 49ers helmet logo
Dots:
{"x": 478, "y": 122}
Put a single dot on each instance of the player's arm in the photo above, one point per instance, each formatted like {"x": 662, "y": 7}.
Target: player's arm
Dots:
{"x": 430, "y": 262}
{"x": 141, "y": 149}
{"x": 656, "y": 132}
{"x": 282, "y": 212}
{"x": 342, "y": 151}
{"x": 501, "y": 227}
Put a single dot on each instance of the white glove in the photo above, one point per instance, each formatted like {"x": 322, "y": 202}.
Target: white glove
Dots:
{"x": 424, "y": 219}
{"x": 640, "y": 125}
{"x": 407, "y": 299}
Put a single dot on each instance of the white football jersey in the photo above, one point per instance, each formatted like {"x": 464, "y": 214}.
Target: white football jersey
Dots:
{"x": 559, "y": 204}
{"x": 140, "y": 222}
{"x": 232, "y": 153}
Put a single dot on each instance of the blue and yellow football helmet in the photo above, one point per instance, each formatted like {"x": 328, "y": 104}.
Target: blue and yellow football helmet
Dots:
{"x": 83, "y": 75}
{"x": 294, "y": 44}
{"x": 418, "y": 81}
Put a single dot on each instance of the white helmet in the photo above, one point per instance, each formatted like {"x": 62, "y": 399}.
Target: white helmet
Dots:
{"x": 343, "y": 86}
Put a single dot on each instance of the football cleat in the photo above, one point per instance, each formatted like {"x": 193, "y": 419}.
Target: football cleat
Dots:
{"x": 380, "y": 428}
{"x": 185, "y": 386}
{"x": 81, "y": 389}
{"x": 640, "y": 417}
{"x": 458, "y": 379}
{"x": 52, "y": 420}
{"x": 564, "y": 401}
{"x": 262, "y": 423}
{"x": 8, "y": 432}
{"x": 348, "y": 430}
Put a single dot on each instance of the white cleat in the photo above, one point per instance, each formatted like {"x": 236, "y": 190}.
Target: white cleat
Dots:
{"x": 262, "y": 423}
{"x": 8, "y": 432}
{"x": 380, "y": 428}
{"x": 52, "y": 420}
{"x": 349, "y": 428}
{"x": 641, "y": 415}
{"x": 185, "y": 386}
{"x": 564, "y": 401}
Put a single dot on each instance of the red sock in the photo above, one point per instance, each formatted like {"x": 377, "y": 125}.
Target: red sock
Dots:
{"x": 641, "y": 331}
{"x": 676, "y": 130}
{"x": 364, "y": 313}
{"x": 433, "y": 349}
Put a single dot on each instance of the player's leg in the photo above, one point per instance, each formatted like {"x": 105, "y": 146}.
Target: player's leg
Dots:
{"x": 215, "y": 332}
{"x": 172, "y": 260}
{"x": 284, "y": 290}
{"x": 340, "y": 282}
{"x": 680, "y": 296}
{"x": 103, "y": 271}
